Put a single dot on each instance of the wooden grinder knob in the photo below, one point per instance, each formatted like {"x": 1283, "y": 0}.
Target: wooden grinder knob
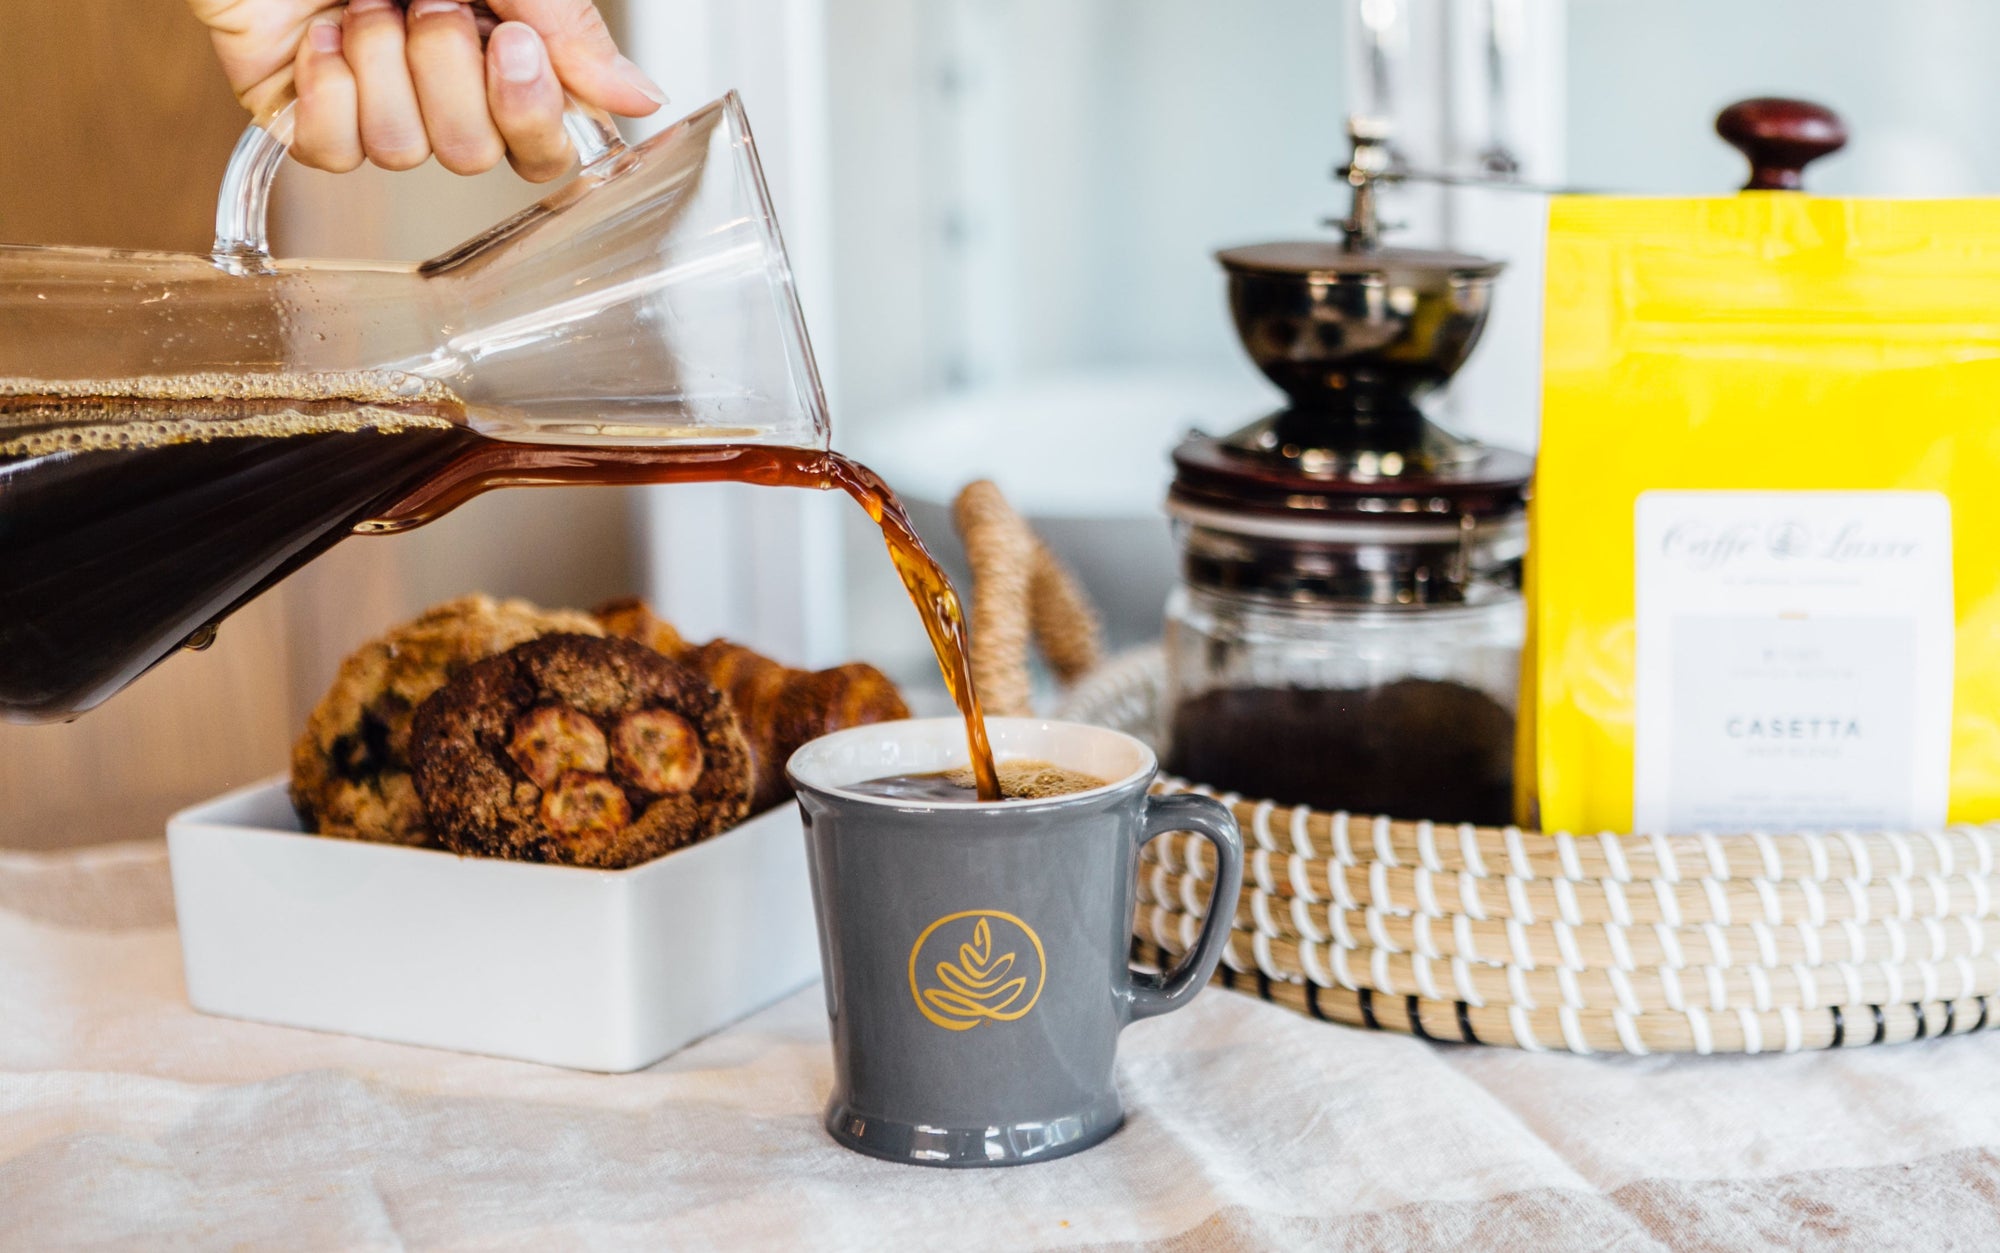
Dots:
{"x": 1780, "y": 136}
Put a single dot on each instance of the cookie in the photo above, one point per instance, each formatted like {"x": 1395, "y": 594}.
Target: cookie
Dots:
{"x": 351, "y": 768}
{"x": 579, "y": 750}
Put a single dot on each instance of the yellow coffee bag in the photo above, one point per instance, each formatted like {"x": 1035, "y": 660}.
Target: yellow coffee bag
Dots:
{"x": 1764, "y": 558}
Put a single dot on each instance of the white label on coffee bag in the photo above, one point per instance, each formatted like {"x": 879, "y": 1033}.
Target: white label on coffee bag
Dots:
{"x": 1794, "y": 663}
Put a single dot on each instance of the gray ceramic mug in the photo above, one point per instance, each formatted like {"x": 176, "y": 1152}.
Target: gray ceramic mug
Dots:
{"x": 976, "y": 956}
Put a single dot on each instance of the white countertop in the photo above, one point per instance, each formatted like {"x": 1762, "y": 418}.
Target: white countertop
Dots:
{"x": 127, "y": 1119}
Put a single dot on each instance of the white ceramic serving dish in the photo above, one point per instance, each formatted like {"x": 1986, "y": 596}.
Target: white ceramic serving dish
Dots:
{"x": 606, "y": 970}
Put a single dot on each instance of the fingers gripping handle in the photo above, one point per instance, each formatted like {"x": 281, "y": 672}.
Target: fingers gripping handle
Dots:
{"x": 242, "y": 211}
{"x": 1152, "y": 995}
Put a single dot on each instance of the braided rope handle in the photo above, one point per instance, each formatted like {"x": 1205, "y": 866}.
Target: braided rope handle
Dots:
{"x": 1020, "y": 592}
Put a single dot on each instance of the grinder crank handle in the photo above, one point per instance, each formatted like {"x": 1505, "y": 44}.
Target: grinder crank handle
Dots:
{"x": 242, "y": 210}
{"x": 1780, "y": 137}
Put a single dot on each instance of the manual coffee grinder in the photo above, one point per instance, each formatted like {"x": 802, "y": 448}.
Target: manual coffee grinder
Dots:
{"x": 1347, "y": 626}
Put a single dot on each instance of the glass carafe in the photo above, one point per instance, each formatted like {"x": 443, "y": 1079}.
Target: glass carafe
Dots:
{"x": 178, "y": 432}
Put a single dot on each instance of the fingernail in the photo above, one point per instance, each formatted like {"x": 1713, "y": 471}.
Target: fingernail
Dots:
{"x": 324, "y": 35}
{"x": 432, "y": 8}
{"x": 519, "y": 53}
{"x": 635, "y": 78}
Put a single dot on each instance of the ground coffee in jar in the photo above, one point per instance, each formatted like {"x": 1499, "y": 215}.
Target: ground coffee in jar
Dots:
{"x": 1428, "y": 747}
{"x": 1342, "y": 660}
{"x": 1308, "y": 690}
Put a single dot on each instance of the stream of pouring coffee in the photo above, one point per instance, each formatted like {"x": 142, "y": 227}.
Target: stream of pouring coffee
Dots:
{"x": 489, "y": 463}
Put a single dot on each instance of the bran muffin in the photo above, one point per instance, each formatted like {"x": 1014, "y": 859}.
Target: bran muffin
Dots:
{"x": 579, "y": 750}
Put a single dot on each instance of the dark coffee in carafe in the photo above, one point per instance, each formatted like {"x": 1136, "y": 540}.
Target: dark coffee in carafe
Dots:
{"x": 132, "y": 516}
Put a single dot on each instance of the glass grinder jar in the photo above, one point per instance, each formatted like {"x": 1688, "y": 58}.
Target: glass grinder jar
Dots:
{"x": 1347, "y": 626}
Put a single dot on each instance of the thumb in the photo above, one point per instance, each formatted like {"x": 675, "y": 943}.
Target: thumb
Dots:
{"x": 257, "y": 42}
{"x": 585, "y": 56}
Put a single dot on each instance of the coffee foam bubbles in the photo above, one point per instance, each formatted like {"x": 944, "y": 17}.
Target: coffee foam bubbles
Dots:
{"x": 366, "y": 387}
{"x": 40, "y": 417}
{"x": 1031, "y": 780}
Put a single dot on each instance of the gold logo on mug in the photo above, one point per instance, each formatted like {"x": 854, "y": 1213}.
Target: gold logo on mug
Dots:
{"x": 978, "y": 965}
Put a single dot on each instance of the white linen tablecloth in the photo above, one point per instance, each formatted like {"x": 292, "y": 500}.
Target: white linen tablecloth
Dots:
{"x": 128, "y": 1120}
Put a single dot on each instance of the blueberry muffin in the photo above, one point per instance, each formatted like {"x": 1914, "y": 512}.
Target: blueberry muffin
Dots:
{"x": 579, "y": 750}
{"x": 351, "y": 768}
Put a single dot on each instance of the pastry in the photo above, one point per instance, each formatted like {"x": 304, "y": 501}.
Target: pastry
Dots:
{"x": 579, "y": 750}
{"x": 779, "y": 708}
{"x": 633, "y": 619}
{"x": 783, "y": 709}
{"x": 350, "y": 770}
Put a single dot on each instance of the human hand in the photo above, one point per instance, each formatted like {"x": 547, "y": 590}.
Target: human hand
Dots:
{"x": 377, "y": 83}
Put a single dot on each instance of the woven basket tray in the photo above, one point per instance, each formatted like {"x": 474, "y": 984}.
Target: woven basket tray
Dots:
{"x": 1606, "y": 943}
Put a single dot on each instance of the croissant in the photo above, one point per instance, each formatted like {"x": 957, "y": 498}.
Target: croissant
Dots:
{"x": 631, "y": 618}
{"x": 778, "y": 707}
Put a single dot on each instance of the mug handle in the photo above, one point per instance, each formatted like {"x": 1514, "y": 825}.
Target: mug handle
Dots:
{"x": 1150, "y": 995}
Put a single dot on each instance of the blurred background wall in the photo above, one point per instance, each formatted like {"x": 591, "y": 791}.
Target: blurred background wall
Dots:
{"x": 1027, "y": 196}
